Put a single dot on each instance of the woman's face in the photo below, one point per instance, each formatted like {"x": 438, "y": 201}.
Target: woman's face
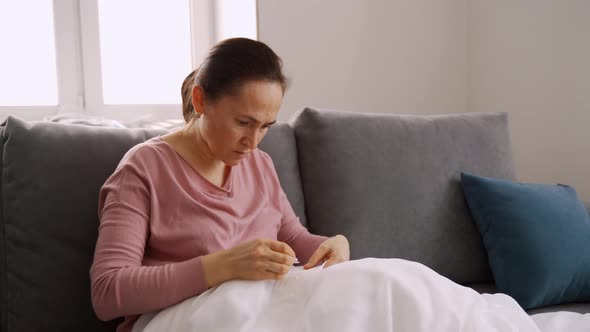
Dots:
{"x": 233, "y": 125}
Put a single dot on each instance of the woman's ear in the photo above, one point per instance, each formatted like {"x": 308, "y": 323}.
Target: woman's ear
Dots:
{"x": 198, "y": 100}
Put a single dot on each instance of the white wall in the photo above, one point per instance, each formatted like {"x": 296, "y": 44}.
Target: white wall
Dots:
{"x": 530, "y": 58}
{"x": 403, "y": 56}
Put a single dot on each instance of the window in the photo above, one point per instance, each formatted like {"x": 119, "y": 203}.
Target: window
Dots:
{"x": 27, "y": 78}
{"x": 132, "y": 55}
{"x": 123, "y": 60}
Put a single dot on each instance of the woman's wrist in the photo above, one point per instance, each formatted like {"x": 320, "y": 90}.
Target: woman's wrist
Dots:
{"x": 216, "y": 269}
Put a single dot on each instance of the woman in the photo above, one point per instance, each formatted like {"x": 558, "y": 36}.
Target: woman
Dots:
{"x": 192, "y": 209}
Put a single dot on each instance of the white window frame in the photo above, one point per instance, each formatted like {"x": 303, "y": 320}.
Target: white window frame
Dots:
{"x": 79, "y": 77}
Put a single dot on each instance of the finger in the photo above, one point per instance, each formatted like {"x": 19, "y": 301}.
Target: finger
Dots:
{"x": 268, "y": 275}
{"x": 315, "y": 259}
{"x": 280, "y": 258}
{"x": 276, "y": 276}
{"x": 276, "y": 268}
{"x": 332, "y": 261}
{"x": 281, "y": 247}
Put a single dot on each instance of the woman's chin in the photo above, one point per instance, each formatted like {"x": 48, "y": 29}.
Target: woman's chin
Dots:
{"x": 235, "y": 158}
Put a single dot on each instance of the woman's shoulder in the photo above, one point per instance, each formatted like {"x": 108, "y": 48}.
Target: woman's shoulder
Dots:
{"x": 149, "y": 152}
{"x": 262, "y": 158}
{"x": 260, "y": 165}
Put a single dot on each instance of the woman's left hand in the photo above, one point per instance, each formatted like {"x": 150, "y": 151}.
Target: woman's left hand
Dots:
{"x": 334, "y": 250}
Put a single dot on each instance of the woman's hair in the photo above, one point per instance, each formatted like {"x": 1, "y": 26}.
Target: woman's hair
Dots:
{"x": 229, "y": 64}
{"x": 187, "y": 91}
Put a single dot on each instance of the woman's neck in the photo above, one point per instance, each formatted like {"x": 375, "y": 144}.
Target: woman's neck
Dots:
{"x": 201, "y": 158}
{"x": 201, "y": 151}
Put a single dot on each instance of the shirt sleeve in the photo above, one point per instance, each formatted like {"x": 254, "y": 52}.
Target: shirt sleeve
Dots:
{"x": 295, "y": 235}
{"x": 120, "y": 285}
{"x": 291, "y": 230}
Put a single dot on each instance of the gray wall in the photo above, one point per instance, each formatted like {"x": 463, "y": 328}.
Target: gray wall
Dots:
{"x": 530, "y": 58}
{"x": 381, "y": 56}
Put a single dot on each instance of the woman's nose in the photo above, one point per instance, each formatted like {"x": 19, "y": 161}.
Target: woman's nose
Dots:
{"x": 252, "y": 139}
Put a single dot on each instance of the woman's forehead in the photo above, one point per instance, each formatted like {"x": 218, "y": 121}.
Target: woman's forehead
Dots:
{"x": 260, "y": 100}
{"x": 260, "y": 90}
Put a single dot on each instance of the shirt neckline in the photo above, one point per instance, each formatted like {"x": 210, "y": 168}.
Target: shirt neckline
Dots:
{"x": 226, "y": 190}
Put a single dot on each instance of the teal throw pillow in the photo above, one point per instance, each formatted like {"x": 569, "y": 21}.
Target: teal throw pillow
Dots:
{"x": 537, "y": 237}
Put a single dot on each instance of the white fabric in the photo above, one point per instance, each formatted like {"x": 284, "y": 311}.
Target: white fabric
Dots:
{"x": 362, "y": 295}
{"x": 562, "y": 321}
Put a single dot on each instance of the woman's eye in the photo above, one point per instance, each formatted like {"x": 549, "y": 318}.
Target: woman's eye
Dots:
{"x": 243, "y": 123}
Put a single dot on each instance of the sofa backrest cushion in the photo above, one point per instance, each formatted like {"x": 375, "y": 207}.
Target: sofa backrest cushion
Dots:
{"x": 390, "y": 183}
{"x": 51, "y": 175}
{"x": 280, "y": 144}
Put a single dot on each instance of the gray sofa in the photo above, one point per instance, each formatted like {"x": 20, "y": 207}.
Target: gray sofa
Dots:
{"x": 390, "y": 183}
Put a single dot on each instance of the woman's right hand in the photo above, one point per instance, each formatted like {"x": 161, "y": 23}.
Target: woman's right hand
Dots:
{"x": 258, "y": 259}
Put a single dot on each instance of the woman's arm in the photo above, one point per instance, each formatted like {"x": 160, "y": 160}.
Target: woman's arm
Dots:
{"x": 291, "y": 230}
{"x": 121, "y": 286}
{"x": 295, "y": 235}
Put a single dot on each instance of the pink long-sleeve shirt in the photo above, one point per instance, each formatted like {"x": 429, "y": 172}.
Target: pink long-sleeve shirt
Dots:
{"x": 158, "y": 217}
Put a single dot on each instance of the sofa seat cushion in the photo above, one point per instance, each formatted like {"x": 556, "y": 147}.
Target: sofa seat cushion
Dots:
{"x": 390, "y": 183}
{"x": 581, "y": 308}
{"x": 490, "y": 288}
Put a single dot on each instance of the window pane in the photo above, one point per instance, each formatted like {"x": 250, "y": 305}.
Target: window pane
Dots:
{"x": 236, "y": 18}
{"x": 145, "y": 50}
{"x": 27, "y": 60}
